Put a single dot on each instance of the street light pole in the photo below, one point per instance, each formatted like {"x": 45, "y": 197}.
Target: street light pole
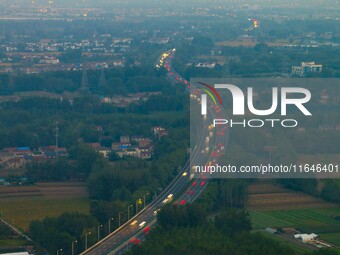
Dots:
{"x": 129, "y": 211}
{"x": 73, "y": 246}
{"x": 99, "y": 230}
{"x": 60, "y": 250}
{"x": 159, "y": 190}
{"x": 110, "y": 225}
{"x": 87, "y": 233}
{"x": 144, "y": 198}
{"x": 136, "y": 206}
{"x": 119, "y": 217}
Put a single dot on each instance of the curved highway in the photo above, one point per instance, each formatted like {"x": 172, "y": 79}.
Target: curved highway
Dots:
{"x": 186, "y": 187}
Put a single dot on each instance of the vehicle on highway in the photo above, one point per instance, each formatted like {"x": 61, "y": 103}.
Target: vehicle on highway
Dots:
{"x": 168, "y": 199}
{"x": 146, "y": 230}
{"x": 190, "y": 192}
{"x": 142, "y": 224}
{"x": 133, "y": 223}
{"x": 134, "y": 241}
{"x": 202, "y": 183}
{"x": 116, "y": 243}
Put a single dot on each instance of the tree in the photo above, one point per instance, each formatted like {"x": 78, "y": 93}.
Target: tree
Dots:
{"x": 233, "y": 221}
{"x": 58, "y": 233}
{"x": 202, "y": 45}
{"x": 85, "y": 158}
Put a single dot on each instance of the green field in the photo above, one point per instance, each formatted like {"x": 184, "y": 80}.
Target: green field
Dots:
{"x": 13, "y": 242}
{"x": 298, "y": 249}
{"x": 320, "y": 221}
{"x": 21, "y": 211}
{"x": 332, "y": 238}
{"x": 300, "y": 218}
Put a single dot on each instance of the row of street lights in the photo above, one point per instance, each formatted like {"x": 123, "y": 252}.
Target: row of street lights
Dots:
{"x": 60, "y": 251}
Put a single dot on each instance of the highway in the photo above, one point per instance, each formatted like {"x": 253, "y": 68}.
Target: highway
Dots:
{"x": 185, "y": 188}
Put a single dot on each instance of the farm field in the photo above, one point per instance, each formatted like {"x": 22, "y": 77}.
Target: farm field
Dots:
{"x": 332, "y": 238}
{"x": 20, "y": 205}
{"x": 298, "y": 249}
{"x": 266, "y": 196}
{"x": 303, "y": 219}
{"x": 271, "y": 205}
{"x": 248, "y": 42}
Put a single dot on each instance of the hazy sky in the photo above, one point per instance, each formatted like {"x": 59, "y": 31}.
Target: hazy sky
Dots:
{"x": 160, "y": 3}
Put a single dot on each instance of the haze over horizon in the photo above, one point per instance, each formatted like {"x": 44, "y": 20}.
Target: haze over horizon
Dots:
{"x": 159, "y": 3}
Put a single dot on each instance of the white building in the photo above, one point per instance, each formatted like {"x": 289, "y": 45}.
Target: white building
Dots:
{"x": 306, "y": 67}
{"x": 50, "y": 61}
{"x": 306, "y": 238}
{"x": 206, "y": 65}
{"x": 311, "y": 67}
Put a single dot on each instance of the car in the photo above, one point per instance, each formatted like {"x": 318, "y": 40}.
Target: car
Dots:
{"x": 170, "y": 197}
{"x": 190, "y": 192}
{"x": 183, "y": 202}
{"x": 202, "y": 183}
{"x": 185, "y": 174}
{"x": 146, "y": 230}
{"x": 194, "y": 184}
{"x": 134, "y": 240}
{"x": 133, "y": 223}
{"x": 156, "y": 211}
{"x": 165, "y": 201}
{"x": 142, "y": 224}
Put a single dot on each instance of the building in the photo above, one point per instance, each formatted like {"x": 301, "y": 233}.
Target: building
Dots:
{"x": 305, "y": 68}
{"x": 137, "y": 138}
{"x": 144, "y": 143}
{"x": 105, "y": 151}
{"x": 163, "y": 133}
{"x": 49, "y": 61}
{"x": 130, "y": 152}
{"x": 271, "y": 231}
{"x": 206, "y": 65}
{"x": 52, "y": 152}
{"x": 156, "y": 130}
{"x": 159, "y": 131}
{"x": 311, "y": 67}
{"x": 306, "y": 238}
{"x": 15, "y": 163}
{"x": 144, "y": 152}
{"x": 120, "y": 146}
{"x": 95, "y": 146}
{"x": 297, "y": 70}
{"x": 145, "y": 155}
{"x": 124, "y": 139}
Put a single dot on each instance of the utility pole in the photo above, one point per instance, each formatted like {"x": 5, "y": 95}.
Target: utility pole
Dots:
{"x": 84, "y": 81}
{"x": 57, "y": 134}
{"x": 101, "y": 81}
